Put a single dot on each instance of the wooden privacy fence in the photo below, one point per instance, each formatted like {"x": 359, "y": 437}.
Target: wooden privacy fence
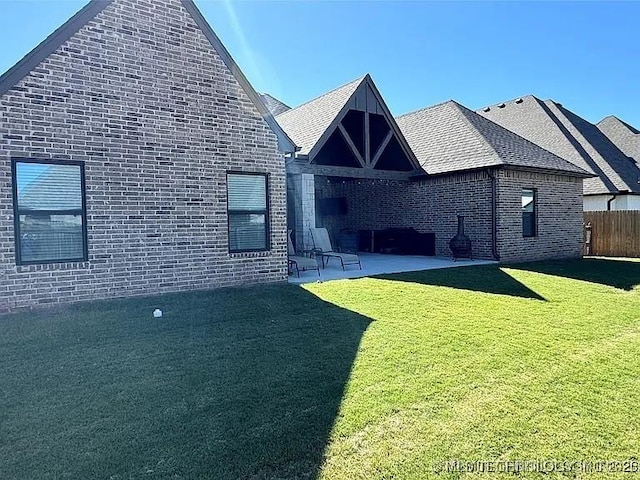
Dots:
{"x": 613, "y": 234}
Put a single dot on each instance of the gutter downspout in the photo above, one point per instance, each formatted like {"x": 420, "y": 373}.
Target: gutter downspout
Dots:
{"x": 613, "y": 197}
{"x": 494, "y": 215}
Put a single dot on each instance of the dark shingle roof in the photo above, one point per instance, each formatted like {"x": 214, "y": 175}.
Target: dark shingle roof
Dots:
{"x": 623, "y": 136}
{"x": 275, "y": 106}
{"x": 306, "y": 124}
{"x": 449, "y": 137}
{"x": 625, "y": 125}
{"x": 569, "y": 136}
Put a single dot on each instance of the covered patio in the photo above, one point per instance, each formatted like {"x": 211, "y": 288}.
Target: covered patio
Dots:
{"x": 377, "y": 264}
{"x": 353, "y": 169}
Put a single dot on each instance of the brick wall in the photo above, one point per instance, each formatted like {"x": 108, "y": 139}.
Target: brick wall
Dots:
{"x": 433, "y": 205}
{"x": 142, "y": 98}
{"x": 559, "y": 216}
{"x": 445, "y": 197}
{"x": 371, "y": 204}
{"x": 428, "y": 206}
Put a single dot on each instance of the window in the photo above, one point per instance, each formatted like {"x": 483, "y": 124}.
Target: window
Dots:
{"x": 49, "y": 211}
{"x": 248, "y": 212}
{"x": 528, "y": 212}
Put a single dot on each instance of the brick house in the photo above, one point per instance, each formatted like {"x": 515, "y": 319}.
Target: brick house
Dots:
{"x": 128, "y": 142}
{"x": 421, "y": 170}
{"x": 135, "y": 158}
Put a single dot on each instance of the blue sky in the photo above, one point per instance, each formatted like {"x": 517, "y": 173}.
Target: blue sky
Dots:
{"x": 582, "y": 54}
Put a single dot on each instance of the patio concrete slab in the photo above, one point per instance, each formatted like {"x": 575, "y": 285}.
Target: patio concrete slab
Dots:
{"x": 377, "y": 264}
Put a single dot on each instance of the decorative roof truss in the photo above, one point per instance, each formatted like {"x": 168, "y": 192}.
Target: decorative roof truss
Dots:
{"x": 364, "y": 135}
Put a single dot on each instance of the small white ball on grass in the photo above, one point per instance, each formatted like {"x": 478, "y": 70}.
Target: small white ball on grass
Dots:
{"x": 157, "y": 313}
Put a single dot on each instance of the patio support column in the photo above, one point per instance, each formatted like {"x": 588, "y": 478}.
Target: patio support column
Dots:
{"x": 301, "y": 188}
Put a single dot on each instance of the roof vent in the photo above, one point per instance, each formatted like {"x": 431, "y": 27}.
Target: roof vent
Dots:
{"x": 486, "y": 109}
{"x": 558, "y": 104}
{"x": 501, "y": 105}
{"x": 519, "y": 100}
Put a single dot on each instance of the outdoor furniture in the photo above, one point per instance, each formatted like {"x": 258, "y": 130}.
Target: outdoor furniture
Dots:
{"x": 311, "y": 252}
{"x": 321, "y": 241}
{"x": 298, "y": 262}
{"x": 397, "y": 241}
{"x": 348, "y": 240}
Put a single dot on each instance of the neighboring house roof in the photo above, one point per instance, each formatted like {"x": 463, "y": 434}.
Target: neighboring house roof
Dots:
{"x": 40, "y": 53}
{"x": 275, "y": 106}
{"x": 449, "y": 137}
{"x": 306, "y": 124}
{"x": 616, "y": 120}
{"x": 623, "y": 136}
{"x": 571, "y": 137}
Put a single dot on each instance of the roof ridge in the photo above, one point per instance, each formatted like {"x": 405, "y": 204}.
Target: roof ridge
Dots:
{"x": 273, "y": 104}
{"x": 543, "y": 104}
{"x": 628, "y": 126}
{"x": 454, "y": 138}
{"x": 615, "y": 177}
{"x": 633, "y": 129}
{"x": 536, "y": 145}
{"x": 568, "y": 135}
{"x": 308, "y": 122}
{"x": 393, "y": 123}
{"x": 266, "y": 94}
{"x": 607, "y": 117}
{"x": 424, "y": 109}
{"x": 511, "y": 100}
{"x": 519, "y": 137}
{"x": 358, "y": 80}
{"x": 462, "y": 111}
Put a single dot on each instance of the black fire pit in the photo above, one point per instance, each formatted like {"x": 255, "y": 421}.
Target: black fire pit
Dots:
{"x": 460, "y": 245}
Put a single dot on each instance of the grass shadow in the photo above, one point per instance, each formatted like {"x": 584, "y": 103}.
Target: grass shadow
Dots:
{"x": 483, "y": 278}
{"x": 238, "y": 383}
{"x": 622, "y": 274}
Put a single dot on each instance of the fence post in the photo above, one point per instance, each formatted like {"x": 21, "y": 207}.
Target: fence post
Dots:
{"x": 587, "y": 238}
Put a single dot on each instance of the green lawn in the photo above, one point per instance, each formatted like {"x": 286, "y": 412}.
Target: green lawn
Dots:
{"x": 383, "y": 377}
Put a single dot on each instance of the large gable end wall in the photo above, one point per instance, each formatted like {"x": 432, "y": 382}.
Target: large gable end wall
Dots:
{"x": 364, "y": 135}
{"x": 142, "y": 97}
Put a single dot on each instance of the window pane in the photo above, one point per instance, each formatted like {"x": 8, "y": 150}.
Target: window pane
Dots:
{"x": 528, "y": 224}
{"x": 247, "y": 231}
{"x": 528, "y": 213}
{"x": 247, "y": 192}
{"x": 51, "y": 237}
{"x": 48, "y": 187}
{"x": 527, "y": 200}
